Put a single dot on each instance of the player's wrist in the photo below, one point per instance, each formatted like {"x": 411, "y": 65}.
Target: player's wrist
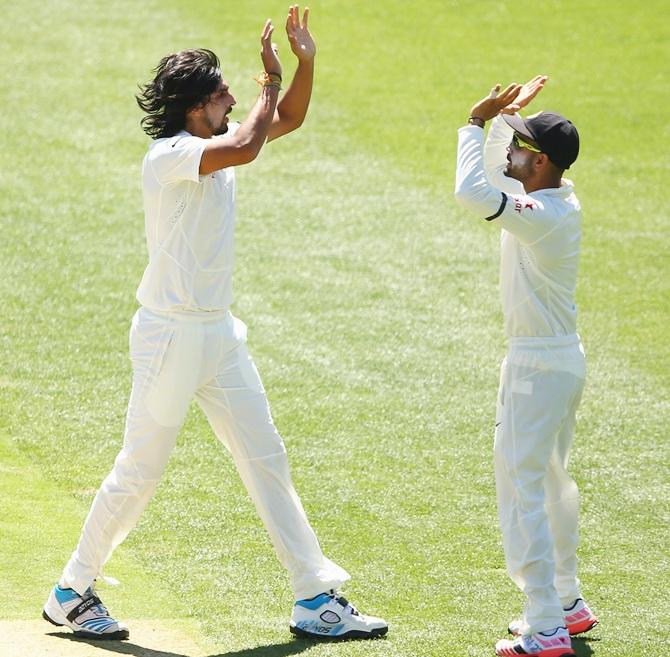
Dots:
{"x": 266, "y": 79}
{"x": 477, "y": 120}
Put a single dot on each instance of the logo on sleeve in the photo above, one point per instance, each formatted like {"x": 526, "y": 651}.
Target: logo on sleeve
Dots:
{"x": 522, "y": 203}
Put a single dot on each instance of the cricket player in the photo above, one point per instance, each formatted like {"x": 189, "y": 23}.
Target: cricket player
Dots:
{"x": 186, "y": 344}
{"x": 516, "y": 181}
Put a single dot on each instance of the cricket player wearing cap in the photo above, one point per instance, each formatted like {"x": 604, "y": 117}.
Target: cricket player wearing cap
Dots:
{"x": 516, "y": 181}
{"x": 186, "y": 344}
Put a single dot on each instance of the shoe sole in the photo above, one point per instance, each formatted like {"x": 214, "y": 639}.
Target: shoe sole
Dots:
{"x": 551, "y": 652}
{"x": 352, "y": 634}
{"x": 584, "y": 626}
{"x": 575, "y": 628}
{"x": 119, "y": 635}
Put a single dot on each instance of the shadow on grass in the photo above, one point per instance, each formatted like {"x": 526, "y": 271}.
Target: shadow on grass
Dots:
{"x": 128, "y": 648}
{"x": 581, "y": 645}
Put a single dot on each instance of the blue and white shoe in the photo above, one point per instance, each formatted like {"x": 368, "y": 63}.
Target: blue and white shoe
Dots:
{"x": 329, "y": 616}
{"x": 84, "y": 614}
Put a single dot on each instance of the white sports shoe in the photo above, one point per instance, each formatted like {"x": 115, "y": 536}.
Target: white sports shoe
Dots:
{"x": 329, "y": 616}
{"x": 84, "y": 614}
{"x": 578, "y": 618}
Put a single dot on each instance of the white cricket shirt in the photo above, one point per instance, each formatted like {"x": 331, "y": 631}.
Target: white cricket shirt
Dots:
{"x": 540, "y": 236}
{"x": 189, "y": 223}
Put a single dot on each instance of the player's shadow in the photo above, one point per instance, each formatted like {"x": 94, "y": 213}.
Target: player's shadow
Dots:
{"x": 580, "y": 644}
{"x": 128, "y": 648}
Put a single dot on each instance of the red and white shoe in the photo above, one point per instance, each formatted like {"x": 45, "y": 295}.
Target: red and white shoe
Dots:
{"x": 555, "y": 643}
{"x": 578, "y": 618}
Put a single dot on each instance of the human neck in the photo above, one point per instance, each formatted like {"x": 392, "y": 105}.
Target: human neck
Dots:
{"x": 197, "y": 128}
{"x": 541, "y": 182}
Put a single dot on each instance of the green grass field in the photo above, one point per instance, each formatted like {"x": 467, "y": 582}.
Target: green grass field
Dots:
{"x": 373, "y": 313}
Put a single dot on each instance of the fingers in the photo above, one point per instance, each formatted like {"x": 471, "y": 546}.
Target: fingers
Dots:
{"x": 509, "y": 90}
{"x": 535, "y": 84}
{"x": 509, "y": 94}
{"x": 293, "y": 21}
{"x": 293, "y": 18}
{"x": 537, "y": 79}
{"x": 268, "y": 28}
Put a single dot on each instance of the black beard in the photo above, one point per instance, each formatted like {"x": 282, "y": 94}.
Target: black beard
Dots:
{"x": 223, "y": 128}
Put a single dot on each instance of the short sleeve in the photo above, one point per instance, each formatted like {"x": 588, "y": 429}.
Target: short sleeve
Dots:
{"x": 232, "y": 129}
{"x": 177, "y": 158}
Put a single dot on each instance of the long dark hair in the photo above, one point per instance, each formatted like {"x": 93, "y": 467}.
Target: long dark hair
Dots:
{"x": 182, "y": 81}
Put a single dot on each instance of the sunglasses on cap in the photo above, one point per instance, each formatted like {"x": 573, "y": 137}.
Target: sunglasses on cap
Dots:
{"x": 519, "y": 142}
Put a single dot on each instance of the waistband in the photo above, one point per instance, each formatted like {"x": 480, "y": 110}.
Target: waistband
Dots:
{"x": 188, "y": 315}
{"x": 544, "y": 342}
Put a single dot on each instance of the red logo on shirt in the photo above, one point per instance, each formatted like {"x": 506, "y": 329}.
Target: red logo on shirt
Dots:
{"x": 520, "y": 205}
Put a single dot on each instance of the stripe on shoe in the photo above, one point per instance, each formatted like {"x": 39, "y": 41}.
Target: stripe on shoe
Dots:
{"x": 65, "y": 595}
{"x": 314, "y": 603}
{"x": 97, "y": 625}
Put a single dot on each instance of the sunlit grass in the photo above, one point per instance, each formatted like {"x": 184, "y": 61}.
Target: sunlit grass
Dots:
{"x": 372, "y": 303}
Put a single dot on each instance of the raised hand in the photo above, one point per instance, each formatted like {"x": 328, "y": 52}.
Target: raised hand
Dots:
{"x": 269, "y": 54}
{"x": 527, "y": 93}
{"x": 302, "y": 43}
{"x": 491, "y": 105}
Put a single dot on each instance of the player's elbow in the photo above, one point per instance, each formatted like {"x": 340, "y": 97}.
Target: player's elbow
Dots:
{"x": 248, "y": 152}
{"x": 471, "y": 198}
{"x": 287, "y": 124}
{"x": 296, "y": 122}
{"x": 463, "y": 194}
{"x": 248, "y": 148}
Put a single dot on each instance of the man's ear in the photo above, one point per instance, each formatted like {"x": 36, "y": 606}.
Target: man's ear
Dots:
{"x": 195, "y": 110}
{"x": 542, "y": 161}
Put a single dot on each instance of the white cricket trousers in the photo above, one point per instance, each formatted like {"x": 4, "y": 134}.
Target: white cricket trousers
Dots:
{"x": 541, "y": 383}
{"x": 176, "y": 357}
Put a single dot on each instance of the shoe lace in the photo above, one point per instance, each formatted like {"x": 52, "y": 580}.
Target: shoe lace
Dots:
{"x": 341, "y": 600}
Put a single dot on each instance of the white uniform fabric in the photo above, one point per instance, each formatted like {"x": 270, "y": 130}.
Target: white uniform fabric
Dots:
{"x": 181, "y": 354}
{"x": 542, "y": 376}
{"x": 539, "y": 241}
{"x": 189, "y": 225}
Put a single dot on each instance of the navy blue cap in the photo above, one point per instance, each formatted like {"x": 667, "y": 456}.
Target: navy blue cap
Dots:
{"x": 553, "y": 133}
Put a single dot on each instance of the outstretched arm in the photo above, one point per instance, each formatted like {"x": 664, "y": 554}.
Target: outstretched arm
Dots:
{"x": 500, "y": 135}
{"x": 246, "y": 143}
{"x": 523, "y": 215}
{"x": 292, "y": 108}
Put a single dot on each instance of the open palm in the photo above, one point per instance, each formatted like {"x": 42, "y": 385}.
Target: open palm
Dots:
{"x": 302, "y": 43}
{"x": 527, "y": 93}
